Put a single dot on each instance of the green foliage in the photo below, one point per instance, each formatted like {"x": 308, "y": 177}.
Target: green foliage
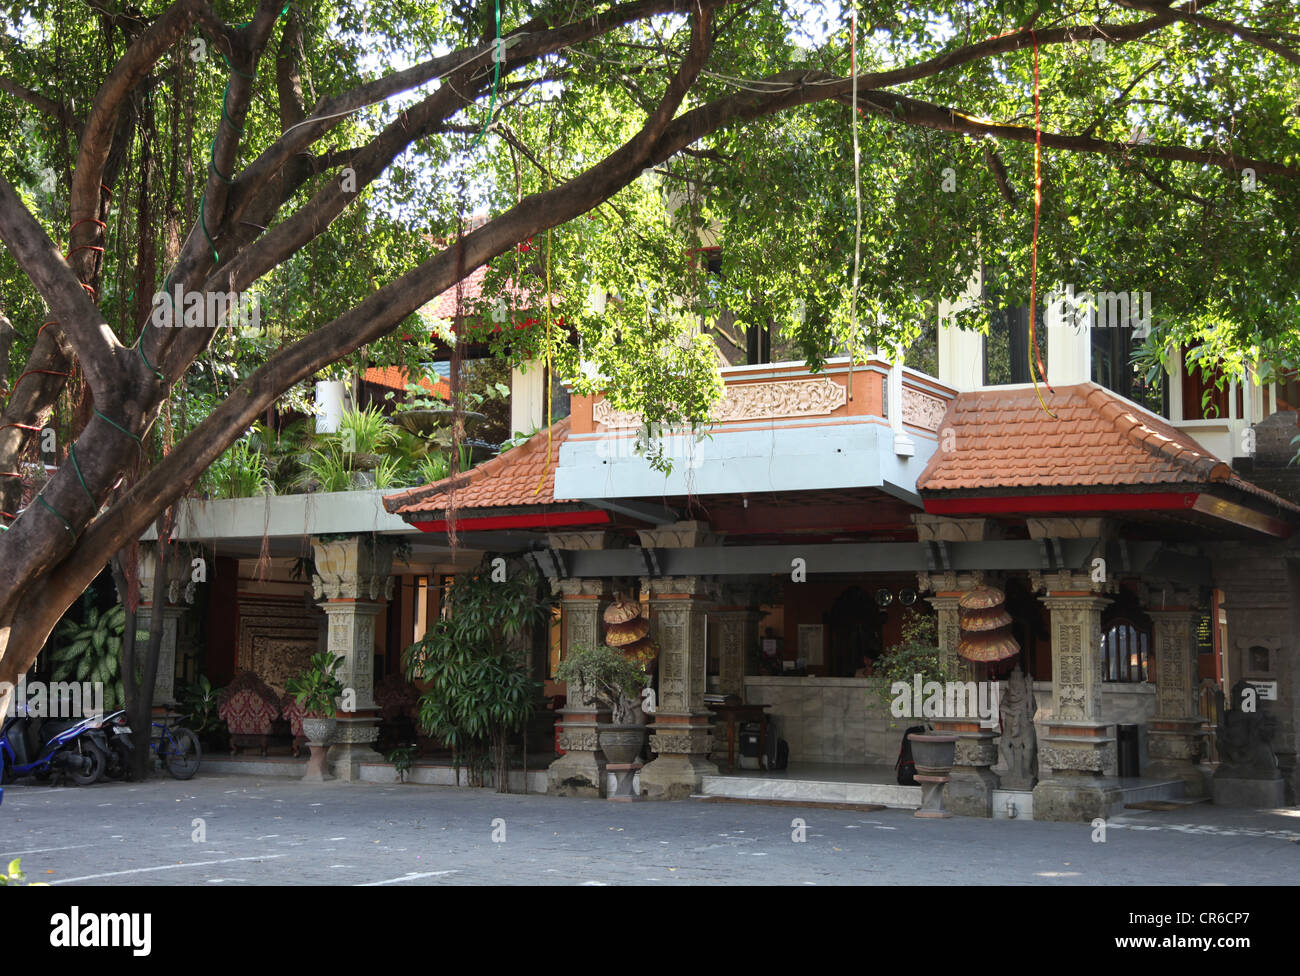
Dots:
{"x": 13, "y": 875}
{"x": 433, "y": 468}
{"x": 198, "y": 706}
{"x": 473, "y": 661}
{"x": 366, "y": 431}
{"x": 241, "y": 472}
{"x": 607, "y": 676}
{"x": 92, "y": 651}
{"x": 318, "y": 687}
{"x": 402, "y": 758}
{"x": 917, "y": 652}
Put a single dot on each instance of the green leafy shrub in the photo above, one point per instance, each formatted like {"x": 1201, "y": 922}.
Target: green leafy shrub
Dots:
{"x": 916, "y": 652}
{"x": 472, "y": 658}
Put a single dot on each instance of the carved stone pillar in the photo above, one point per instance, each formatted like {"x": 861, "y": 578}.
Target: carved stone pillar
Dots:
{"x": 969, "y": 791}
{"x": 176, "y": 602}
{"x": 1174, "y": 736}
{"x": 734, "y": 624}
{"x": 353, "y": 581}
{"x": 1073, "y": 740}
{"x": 581, "y": 770}
{"x": 682, "y": 734}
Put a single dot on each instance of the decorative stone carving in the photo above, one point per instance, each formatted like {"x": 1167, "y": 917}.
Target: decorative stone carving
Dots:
{"x": 679, "y": 535}
{"x": 1086, "y": 758}
{"x": 923, "y": 410}
{"x": 353, "y": 568}
{"x": 350, "y": 732}
{"x": 585, "y": 541}
{"x": 572, "y": 740}
{"x": 1076, "y": 657}
{"x": 751, "y": 401}
{"x": 695, "y": 742}
{"x": 1019, "y": 744}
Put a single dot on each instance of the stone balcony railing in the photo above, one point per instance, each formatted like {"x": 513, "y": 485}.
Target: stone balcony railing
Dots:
{"x": 842, "y": 426}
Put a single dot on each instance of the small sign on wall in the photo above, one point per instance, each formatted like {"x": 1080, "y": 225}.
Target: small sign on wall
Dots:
{"x": 1267, "y": 690}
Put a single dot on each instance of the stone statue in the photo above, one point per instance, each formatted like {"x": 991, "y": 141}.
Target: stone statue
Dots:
{"x": 1019, "y": 744}
{"x": 1245, "y": 737}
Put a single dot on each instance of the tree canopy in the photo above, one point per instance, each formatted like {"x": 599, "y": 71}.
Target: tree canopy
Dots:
{"x": 346, "y": 163}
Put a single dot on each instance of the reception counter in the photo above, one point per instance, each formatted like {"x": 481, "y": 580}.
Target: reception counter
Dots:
{"x": 841, "y": 720}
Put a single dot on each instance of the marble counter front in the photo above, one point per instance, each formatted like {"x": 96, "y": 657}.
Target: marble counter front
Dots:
{"x": 831, "y": 720}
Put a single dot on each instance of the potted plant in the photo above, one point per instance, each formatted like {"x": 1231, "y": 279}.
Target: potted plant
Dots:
{"x": 199, "y": 713}
{"x": 916, "y": 661}
{"x": 608, "y": 677}
{"x": 316, "y": 690}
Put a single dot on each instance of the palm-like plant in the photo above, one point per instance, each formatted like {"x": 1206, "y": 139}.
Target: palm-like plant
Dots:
{"x": 92, "y": 651}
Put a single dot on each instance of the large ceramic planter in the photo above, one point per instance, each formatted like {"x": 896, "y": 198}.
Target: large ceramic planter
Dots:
{"x": 933, "y": 755}
{"x": 319, "y": 732}
{"x": 621, "y": 745}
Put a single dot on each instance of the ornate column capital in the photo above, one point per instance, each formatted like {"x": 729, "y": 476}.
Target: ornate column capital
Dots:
{"x": 679, "y": 535}
{"x": 579, "y": 588}
{"x": 352, "y": 567}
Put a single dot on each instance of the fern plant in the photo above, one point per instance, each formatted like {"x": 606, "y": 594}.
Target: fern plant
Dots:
{"x": 93, "y": 652}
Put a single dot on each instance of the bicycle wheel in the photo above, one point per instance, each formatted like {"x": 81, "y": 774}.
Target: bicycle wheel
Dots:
{"x": 181, "y": 752}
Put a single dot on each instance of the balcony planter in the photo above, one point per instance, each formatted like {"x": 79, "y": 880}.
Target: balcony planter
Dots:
{"x": 427, "y": 420}
{"x": 933, "y": 755}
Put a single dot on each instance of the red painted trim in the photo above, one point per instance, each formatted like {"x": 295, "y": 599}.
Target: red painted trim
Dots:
{"x": 533, "y": 520}
{"x": 1153, "y": 500}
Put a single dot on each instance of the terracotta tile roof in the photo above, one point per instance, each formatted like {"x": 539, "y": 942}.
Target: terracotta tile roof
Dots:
{"x": 396, "y": 378}
{"x": 444, "y": 306}
{"x": 509, "y": 479}
{"x": 1003, "y": 439}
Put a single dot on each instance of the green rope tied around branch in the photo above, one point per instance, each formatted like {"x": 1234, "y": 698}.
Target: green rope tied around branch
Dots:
{"x": 113, "y": 423}
{"x": 497, "y": 57}
{"x": 72, "y": 453}
{"x": 66, "y": 524}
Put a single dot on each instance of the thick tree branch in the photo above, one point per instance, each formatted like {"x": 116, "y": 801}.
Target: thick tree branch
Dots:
{"x": 54, "y": 109}
{"x": 92, "y": 339}
{"x": 1188, "y": 14}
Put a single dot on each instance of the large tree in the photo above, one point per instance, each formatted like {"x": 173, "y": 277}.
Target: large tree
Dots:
{"x": 329, "y": 158}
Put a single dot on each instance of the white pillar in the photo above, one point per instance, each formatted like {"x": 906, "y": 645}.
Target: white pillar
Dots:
{"x": 527, "y": 396}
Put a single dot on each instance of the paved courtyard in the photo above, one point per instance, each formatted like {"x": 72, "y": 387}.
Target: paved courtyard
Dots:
{"x": 227, "y": 830}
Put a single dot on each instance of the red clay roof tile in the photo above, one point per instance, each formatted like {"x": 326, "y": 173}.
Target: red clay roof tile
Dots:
{"x": 509, "y": 479}
{"x": 1004, "y": 439}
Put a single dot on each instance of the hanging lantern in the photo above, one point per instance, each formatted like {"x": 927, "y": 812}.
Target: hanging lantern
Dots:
{"x": 620, "y": 635}
{"x": 986, "y": 626}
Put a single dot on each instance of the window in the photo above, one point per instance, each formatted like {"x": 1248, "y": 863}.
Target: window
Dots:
{"x": 1124, "y": 652}
{"x": 1006, "y": 347}
{"x": 1113, "y": 368}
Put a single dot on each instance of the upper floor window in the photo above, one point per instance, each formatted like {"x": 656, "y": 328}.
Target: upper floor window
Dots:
{"x": 1006, "y": 347}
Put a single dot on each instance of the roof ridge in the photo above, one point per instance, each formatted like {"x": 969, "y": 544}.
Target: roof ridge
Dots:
{"x": 1170, "y": 444}
{"x": 488, "y": 469}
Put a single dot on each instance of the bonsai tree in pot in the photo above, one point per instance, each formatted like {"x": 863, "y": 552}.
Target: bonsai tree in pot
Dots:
{"x": 606, "y": 676}
{"x": 916, "y": 662}
{"x": 317, "y": 689}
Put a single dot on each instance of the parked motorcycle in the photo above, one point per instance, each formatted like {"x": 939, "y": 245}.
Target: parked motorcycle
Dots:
{"x": 32, "y": 746}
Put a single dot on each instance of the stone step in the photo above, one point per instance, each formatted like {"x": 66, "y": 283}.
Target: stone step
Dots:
{"x": 813, "y": 790}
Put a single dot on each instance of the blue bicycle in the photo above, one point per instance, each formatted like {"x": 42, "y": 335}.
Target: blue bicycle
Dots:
{"x": 176, "y": 747}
